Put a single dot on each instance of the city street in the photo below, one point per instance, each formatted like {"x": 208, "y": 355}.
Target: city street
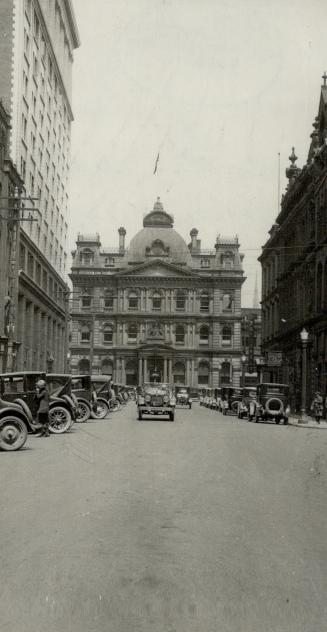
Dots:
{"x": 207, "y": 524}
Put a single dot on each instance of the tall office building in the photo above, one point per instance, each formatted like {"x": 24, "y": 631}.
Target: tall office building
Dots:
{"x": 37, "y": 39}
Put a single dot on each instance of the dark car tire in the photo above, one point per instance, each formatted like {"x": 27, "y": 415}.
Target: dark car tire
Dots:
{"x": 140, "y": 416}
{"x": 102, "y": 410}
{"x": 171, "y": 416}
{"x": 13, "y": 433}
{"x": 277, "y": 421}
{"x": 59, "y": 420}
{"x": 190, "y": 406}
{"x": 256, "y": 418}
{"x": 285, "y": 421}
{"x": 83, "y": 412}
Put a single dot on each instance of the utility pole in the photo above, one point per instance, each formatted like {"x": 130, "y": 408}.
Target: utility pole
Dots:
{"x": 13, "y": 214}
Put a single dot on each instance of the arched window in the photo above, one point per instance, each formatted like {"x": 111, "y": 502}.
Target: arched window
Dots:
{"x": 132, "y": 333}
{"x": 131, "y": 373}
{"x": 84, "y": 366}
{"x": 85, "y": 333}
{"x": 108, "y": 300}
{"x": 180, "y": 301}
{"x": 204, "y": 302}
{"x": 132, "y": 300}
{"x": 180, "y": 334}
{"x": 203, "y": 373}
{"x": 156, "y": 301}
{"x": 225, "y": 373}
{"x": 227, "y": 336}
{"x": 204, "y": 335}
{"x": 107, "y": 334}
{"x": 106, "y": 367}
{"x": 320, "y": 289}
{"x": 179, "y": 373}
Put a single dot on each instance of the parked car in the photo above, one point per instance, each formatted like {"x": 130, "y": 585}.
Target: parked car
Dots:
{"x": 216, "y": 399}
{"x": 272, "y": 402}
{"x": 60, "y": 387}
{"x": 106, "y": 401}
{"x": 194, "y": 394}
{"x": 86, "y": 396}
{"x": 15, "y": 424}
{"x": 182, "y": 394}
{"x": 231, "y": 396}
{"x": 20, "y": 388}
{"x": 246, "y": 406}
{"x": 156, "y": 399}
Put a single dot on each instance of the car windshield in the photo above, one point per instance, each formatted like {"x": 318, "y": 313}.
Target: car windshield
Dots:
{"x": 155, "y": 390}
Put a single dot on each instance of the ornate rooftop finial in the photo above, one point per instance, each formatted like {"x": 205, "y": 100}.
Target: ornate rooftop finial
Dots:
{"x": 324, "y": 78}
{"x": 293, "y": 171}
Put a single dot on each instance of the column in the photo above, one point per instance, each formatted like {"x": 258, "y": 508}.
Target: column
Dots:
{"x": 21, "y": 337}
{"x": 170, "y": 370}
{"x": 29, "y": 335}
{"x": 145, "y": 370}
{"x": 123, "y": 374}
{"x": 140, "y": 380}
{"x": 165, "y": 370}
{"x": 192, "y": 372}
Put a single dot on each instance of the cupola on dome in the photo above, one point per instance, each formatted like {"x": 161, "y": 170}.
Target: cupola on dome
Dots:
{"x": 158, "y": 239}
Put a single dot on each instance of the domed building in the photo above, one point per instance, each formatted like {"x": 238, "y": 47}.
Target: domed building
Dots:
{"x": 159, "y": 309}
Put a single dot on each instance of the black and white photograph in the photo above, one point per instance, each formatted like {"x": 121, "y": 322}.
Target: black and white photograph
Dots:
{"x": 163, "y": 316}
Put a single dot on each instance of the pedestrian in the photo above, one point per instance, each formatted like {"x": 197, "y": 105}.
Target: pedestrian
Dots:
{"x": 42, "y": 395}
{"x": 317, "y": 406}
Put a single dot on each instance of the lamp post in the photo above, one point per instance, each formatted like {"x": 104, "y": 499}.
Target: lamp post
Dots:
{"x": 304, "y": 335}
{"x": 243, "y": 360}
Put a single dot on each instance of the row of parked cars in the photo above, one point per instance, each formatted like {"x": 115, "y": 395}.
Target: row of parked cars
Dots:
{"x": 265, "y": 401}
{"x": 72, "y": 398}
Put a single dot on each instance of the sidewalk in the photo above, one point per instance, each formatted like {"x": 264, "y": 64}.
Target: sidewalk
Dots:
{"x": 293, "y": 421}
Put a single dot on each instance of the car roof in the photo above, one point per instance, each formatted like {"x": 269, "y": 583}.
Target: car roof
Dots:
{"x": 22, "y": 373}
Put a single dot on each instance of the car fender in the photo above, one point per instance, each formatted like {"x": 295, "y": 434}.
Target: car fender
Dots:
{"x": 16, "y": 412}
{"x": 85, "y": 401}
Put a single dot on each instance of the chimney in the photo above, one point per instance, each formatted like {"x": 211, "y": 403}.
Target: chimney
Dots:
{"x": 122, "y": 233}
{"x": 194, "y": 233}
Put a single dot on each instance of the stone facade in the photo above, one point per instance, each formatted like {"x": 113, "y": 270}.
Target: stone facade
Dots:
{"x": 33, "y": 297}
{"x": 37, "y": 39}
{"x": 160, "y": 309}
{"x": 294, "y": 269}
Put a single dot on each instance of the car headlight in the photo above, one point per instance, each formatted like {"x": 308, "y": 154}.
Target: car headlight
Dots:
{"x": 165, "y": 399}
{"x": 148, "y": 398}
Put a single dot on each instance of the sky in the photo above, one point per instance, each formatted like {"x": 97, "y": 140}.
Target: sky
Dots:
{"x": 218, "y": 88}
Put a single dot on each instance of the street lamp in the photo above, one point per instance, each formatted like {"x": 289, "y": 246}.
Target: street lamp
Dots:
{"x": 304, "y": 335}
{"x": 243, "y": 360}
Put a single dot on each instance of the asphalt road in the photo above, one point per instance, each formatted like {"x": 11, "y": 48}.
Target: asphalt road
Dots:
{"x": 207, "y": 524}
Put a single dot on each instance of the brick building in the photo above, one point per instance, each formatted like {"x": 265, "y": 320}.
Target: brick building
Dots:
{"x": 294, "y": 268}
{"x": 159, "y": 308}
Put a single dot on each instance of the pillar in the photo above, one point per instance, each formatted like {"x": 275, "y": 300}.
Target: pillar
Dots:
{"x": 170, "y": 370}
{"x": 145, "y": 370}
{"x": 140, "y": 376}
{"x": 165, "y": 370}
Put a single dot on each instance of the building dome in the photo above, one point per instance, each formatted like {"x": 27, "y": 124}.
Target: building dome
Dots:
{"x": 158, "y": 239}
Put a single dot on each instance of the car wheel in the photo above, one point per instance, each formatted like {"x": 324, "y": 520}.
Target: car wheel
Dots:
{"x": 277, "y": 421}
{"x": 59, "y": 420}
{"x": 102, "y": 410}
{"x": 285, "y": 421}
{"x": 83, "y": 412}
{"x": 140, "y": 417}
{"x": 171, "y": 416}
{"x": 256, "y": 418}
{"x": 13, "y": 433}
{"x": 190, "y": 406}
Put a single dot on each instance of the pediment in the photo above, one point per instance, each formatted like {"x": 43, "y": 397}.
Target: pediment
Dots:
{"x": 158, "y": 268}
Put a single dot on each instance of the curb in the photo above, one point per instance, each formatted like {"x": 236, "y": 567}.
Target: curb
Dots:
{"x": 293, "y": 421}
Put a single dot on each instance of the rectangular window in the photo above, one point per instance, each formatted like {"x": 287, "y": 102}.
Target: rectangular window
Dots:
{"x": 107, "y": 337}
{"x": 85, "y": 336}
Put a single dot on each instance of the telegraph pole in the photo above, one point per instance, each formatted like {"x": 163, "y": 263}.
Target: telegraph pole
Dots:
{"x": 13, "y": 214}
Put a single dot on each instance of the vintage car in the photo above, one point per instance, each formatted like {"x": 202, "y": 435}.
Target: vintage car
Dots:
{"x": 20, "y": 388}
{"x": 272, "y": 402}
{"x": 231, "y": 396}
{"x": 194, "y": 394}
{"x": 182, "y": 394}
{"x": 106, "y": 396}
{"x": 216, "y": 399}
{"x": 60, "y": 386}
{"x": 15, "y": 424}
{"x": 86, "y": 396}
{"x": 156, "y": 399}
{"x": 207, "y": 397}
{"x": 246, "y": 407}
